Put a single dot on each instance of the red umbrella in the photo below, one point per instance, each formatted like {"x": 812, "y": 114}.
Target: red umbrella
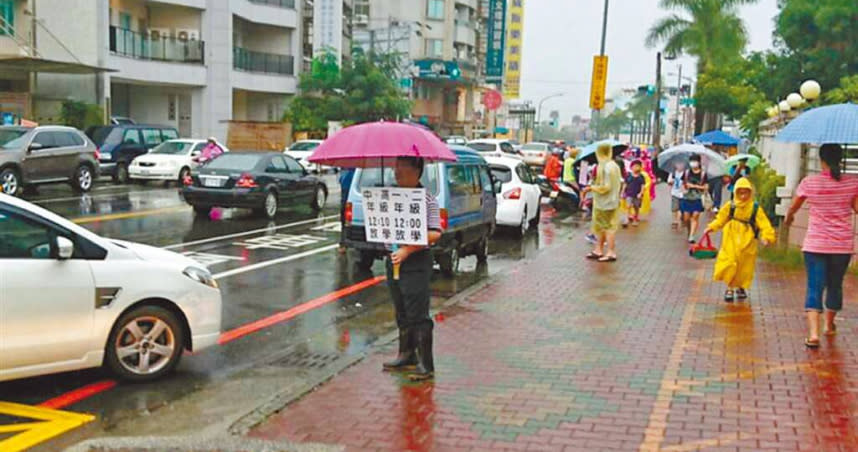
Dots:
{"x": 378, "y": 144}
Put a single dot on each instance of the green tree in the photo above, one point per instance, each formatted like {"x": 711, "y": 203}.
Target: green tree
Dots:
{"x": 363, "y": 90}
{"x": 710, "y": 30}
{"x": 81, "y": 115}
{"x": 846, "y": 92}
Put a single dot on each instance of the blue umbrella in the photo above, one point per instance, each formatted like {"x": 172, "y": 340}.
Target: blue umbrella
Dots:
{"x": 829, "y": 124}
{"x": 590, "y": 150}
{"x": 716, "y": 138}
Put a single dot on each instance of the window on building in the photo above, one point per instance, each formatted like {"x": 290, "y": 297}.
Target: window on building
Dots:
{"x": 435, "y": 9}
{"x": 435, "y": 47}
{"x": 7, "y": 12}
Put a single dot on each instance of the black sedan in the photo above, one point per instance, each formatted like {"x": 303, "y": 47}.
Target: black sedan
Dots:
{"x": 259, "y": 181}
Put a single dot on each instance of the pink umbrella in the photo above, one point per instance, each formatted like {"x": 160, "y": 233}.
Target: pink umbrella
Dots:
{"x": 378, "y": 144}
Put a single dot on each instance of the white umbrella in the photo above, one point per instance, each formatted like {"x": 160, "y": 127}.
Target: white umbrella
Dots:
{"x": 712, "y": 162}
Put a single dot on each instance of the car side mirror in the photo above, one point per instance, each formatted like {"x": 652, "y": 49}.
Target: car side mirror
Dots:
{"x": 498, "y": 186}
{"x": 65, "y": 248}
{"x": 36, "y": 146}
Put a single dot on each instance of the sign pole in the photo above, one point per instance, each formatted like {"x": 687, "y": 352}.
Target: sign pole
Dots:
{"x": 597, "y": 112}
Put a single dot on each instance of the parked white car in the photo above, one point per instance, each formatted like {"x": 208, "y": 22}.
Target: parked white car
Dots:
{"x": 301, "y": 151}
{"x": 519, "y": 199}
{"x": 492, "y": 147}
{"x": 171, "y": 160}
{"x": 70, "y": 300}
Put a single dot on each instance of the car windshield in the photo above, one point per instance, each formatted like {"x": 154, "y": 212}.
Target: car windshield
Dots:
{"x": 304, "y": 146}
{"x": 173, "y": 148}
{"x": 237, "y": 162}
{"x": 372, "y": 177}
{"x": 12, "y": 138}
{"x": 501, "y": 173}
{"x": 533, "y": 147}
{"x": 483, "y": 147}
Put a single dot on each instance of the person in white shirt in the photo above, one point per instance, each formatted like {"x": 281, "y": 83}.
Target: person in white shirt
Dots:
{"x": 677, "y": 191}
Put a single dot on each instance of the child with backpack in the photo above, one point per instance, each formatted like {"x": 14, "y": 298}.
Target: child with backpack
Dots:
{"x": 743, "y": 223}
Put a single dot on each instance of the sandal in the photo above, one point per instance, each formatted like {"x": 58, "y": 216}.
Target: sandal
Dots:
{"x": 811, "y": 343}
{"x": 729, "y": 296}
{"x": 593, "y": 256}
{"x": 608, "y": 259}
{"x": 831, "y": 331}
{"x": 741, "y": 294}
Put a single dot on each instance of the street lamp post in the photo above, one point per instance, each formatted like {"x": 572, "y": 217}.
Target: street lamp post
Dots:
{"x": 596, "y": 114}
{"x": 539, "y": 109}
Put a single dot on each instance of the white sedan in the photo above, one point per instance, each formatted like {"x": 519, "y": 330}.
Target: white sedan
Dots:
{"x": 301, "y": 151}
{"x": 171, "y": 160}
{"x": 70, "y": 300}
{"x": 493, "y": 147}
{"x": 519, "y": 200}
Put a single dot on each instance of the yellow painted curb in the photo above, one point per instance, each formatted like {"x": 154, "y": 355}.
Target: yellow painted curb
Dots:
{"x": 51, "y": 423}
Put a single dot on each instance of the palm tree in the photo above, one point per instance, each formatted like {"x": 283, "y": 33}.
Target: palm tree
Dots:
{"x": 710, "y": 30}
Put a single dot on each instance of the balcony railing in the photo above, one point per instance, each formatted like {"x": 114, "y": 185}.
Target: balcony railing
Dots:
{"x": 141, "y": 45}
{"x": 248, "y": 60}
{"x": 290, "y": 4}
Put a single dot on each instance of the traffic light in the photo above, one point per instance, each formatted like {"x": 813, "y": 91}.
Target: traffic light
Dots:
{"x": 646, "y": 90}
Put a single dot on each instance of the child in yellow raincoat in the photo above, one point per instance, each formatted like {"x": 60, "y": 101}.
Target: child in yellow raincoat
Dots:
{"x": 743, "y": 223}
{"x": 636, "y": 198}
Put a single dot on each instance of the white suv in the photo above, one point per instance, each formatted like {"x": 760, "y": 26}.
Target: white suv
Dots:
{"x": 70, "y": 299}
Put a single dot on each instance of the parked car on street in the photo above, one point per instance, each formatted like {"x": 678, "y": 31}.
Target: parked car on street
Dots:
{"x": 119, "y": 145}
{"x": 466, "y": 196}
{"x": 301, "y": 151}
{"x": 491, "y": 147}
{"x": 121, "y": 120}
{"x": 73, "y": 300}
{"x": 535, "y": 154}
{"x": 46, "y": 154}
{"x": 456, "y": 139}
{"x": 519, "y": 201}
{"x": 170, "y": 161}
{"x": 259, "y": 181}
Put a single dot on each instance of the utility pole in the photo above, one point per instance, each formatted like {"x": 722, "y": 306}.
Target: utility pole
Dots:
{"x": 656, "y": 127}
{"x": 678, "y": 103}
{"x": 596, "y": 114}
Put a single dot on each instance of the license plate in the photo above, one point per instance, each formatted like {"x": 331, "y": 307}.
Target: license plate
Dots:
{"x": 212, "y": 182}
{"x": 144, "y": 172}
{"x": 554, "y": 194}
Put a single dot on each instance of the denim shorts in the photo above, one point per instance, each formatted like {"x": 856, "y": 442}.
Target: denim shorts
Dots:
{"x": 825, "y": 273}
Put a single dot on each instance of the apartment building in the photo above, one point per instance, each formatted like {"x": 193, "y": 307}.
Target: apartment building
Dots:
{"x": 439, "y": 40}
{"x": 192, "y": 64}
{"x": 327, "y": 28}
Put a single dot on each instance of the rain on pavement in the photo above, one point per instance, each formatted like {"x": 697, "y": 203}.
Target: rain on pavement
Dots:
{"x": 263, "y": 267}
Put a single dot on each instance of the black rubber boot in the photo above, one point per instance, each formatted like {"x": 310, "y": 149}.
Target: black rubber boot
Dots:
{"x": 406, "y": 359}
{"x": 425, "y": 361}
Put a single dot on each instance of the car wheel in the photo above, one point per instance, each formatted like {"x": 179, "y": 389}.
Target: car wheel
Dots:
{"x": 184, "y": 173}
{"x": 271, "y": 205}
{"x": 145, "y": 344}
{"x": 83, "y": 179}
{"x": 483, "y": 249}
{"x": 522, "y": 227}
{"x": 121, "y": 174}
{"x": 202, "y": 211}
{"x": 10, "y": 181}
{"x": 449, "y": 262}
{"x": 319, "y": 199}
{"x": 535, "y": 221}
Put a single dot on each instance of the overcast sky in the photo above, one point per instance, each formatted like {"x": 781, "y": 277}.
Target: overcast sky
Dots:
{"x": 561, "y": 37}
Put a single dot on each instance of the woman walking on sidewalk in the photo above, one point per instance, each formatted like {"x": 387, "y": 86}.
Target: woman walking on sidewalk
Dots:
{"x": 606, "y": 206}
{"x": 410, "y": 293}
{"x": 829, "y": 242}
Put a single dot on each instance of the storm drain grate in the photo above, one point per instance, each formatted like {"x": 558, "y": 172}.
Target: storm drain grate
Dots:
{"x": 307, "y": 360}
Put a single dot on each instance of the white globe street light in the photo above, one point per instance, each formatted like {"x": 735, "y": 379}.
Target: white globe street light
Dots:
{"x": 772, "y": 112}
{"x": 795, "y": 100}
{"x": 810, "y": 90}
{"x": 784, "y": 106}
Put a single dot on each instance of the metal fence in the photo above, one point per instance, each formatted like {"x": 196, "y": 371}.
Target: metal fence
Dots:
{"x": 278, "y": 3}
{"x": 162, "y": 48}
{"x": 248, "y": 60}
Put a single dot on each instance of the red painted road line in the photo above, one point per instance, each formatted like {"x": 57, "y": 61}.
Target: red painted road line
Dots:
{"x": 289, "y": 314}
{"x": 77, "y": 395}
{"x": 85, "y": 392}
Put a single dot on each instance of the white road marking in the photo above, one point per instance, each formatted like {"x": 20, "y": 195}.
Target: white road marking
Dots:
{"x": 242, "y": 234}
{"x": 282, "y": 242}
{"x": 209, "y": 260}
{"x": 332, "y": 226}
{"x": 281, "y": 260}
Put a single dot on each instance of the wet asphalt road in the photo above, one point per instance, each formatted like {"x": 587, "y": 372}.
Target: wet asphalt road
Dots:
{"x": 263, "y": 267}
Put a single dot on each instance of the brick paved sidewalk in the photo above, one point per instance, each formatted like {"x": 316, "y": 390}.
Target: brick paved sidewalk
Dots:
{"x": 563, "y": 354}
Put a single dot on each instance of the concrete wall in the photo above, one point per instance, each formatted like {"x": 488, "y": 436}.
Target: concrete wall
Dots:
{"x": 263, "y": 38}
{"x": 255, "y": 106}
{"x": 175, "y": 17}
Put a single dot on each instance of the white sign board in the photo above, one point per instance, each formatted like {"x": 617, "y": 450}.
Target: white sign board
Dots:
{"x": 395, "y": 215}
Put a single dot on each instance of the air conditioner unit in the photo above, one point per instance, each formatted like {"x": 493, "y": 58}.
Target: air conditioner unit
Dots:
{"x": 188, "y": 35}
{"x": 157, "y": 34}
{"x": 361, "y": 19}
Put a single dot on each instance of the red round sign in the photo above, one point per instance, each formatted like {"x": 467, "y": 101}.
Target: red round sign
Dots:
{"x": 492, "y": 99}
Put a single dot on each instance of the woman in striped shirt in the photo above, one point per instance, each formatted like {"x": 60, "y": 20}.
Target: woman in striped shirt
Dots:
{"x": 829, "y": 243}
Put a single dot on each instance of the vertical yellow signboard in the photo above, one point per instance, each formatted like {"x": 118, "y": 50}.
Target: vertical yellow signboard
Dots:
{"x": 515, "y": 31}
{"x": 600, "y": 78}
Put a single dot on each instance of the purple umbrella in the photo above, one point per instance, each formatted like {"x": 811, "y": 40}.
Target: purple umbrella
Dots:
{"x": 378, "y": 144}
